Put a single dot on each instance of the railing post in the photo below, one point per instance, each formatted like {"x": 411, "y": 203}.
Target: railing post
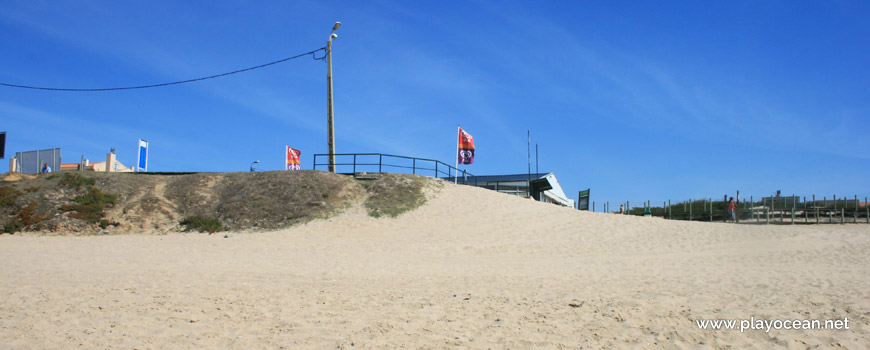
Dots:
{"x": 354, "y": 163}
{"x": 806, "y": 213}
{"x": 436, "y": 170}
{"x": 380, "y": 163}
{"x": 690, "y": 209}
{"x": 772, "y": 208}
{"x": 752, "y": 208}
{"x": 414, "y": 166}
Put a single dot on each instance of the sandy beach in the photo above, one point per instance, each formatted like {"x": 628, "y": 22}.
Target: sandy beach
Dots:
{"x": 472, "y": 268}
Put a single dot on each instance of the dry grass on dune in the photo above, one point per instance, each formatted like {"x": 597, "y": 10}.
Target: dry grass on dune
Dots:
{"x": 139, "y": 203}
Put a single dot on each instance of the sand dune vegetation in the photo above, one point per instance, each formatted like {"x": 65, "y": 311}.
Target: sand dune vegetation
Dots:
{"x": 88, "y": 203}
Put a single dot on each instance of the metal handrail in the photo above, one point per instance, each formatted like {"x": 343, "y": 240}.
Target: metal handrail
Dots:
{"x": 440, "y": 169}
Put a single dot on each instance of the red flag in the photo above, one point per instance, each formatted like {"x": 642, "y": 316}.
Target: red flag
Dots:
{"x": 293, "y": 155}
{"x": 465, "y": 153}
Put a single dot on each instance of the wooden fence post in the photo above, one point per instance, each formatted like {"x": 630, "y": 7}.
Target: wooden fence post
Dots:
{"x": 773, "y": 208}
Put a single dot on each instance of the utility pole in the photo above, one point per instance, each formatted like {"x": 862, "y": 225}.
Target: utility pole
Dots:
{"x": 329, "y": 123}
{"x": 529, "y": 158}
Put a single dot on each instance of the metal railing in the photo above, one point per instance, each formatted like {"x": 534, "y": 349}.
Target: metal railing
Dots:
{"x": 353, "y": 163}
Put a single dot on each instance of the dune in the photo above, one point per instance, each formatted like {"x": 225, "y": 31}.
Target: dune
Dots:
{"x": 471, "y": 268}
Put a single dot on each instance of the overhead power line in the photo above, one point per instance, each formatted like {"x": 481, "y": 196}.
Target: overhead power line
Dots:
{"x": 167, "y": 84}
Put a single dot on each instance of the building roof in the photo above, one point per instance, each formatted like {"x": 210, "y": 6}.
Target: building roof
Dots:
{"x": 508, "y": 178}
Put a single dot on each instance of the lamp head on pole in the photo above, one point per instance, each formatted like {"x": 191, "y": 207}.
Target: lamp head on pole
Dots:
{"x": 332, "y": 34}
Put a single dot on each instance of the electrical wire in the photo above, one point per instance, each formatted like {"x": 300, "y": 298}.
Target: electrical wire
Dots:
{"x": 312, "y": 53}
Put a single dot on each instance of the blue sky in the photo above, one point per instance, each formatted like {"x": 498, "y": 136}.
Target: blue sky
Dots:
{"x": 636, "y": 100}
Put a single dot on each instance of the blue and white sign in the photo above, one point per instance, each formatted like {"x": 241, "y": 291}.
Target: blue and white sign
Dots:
{"x": 143, "y": 156}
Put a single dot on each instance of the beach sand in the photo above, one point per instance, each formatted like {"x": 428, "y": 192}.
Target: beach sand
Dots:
{"x": 470, "y": 269}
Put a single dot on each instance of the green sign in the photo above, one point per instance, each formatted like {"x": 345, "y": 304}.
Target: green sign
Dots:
{"x": 583, "y": 200}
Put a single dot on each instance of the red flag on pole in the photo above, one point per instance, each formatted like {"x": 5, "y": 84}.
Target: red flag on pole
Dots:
{"x": 466, "y": 148}
{"x": 292, "y": 156}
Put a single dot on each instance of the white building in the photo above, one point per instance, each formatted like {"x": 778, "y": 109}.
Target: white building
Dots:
{"x": 544, "y": 186}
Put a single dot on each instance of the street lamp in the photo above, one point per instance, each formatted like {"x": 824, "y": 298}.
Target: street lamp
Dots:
{"x": 330, "y": 123}
{"x": 252, "y": 165}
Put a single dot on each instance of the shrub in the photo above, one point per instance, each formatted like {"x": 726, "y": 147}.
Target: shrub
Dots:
{"x": 12, "y": 227}
{"x": 89, "y": 207}
{"x": 75, "y": 180}
{"x": 106, "y": 223}
{"x": 28, "y": 215}
{"x": 201, "y": 224}
{"x": 394, "y": 194}
{"x": 8, "y": 195}
{"x": 24, "y": 218}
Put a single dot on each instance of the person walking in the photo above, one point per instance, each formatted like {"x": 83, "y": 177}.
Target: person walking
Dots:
{"x": 731, "y": 207}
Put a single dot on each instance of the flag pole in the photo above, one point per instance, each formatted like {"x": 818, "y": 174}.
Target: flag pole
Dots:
{"x": 456, "y": 169}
